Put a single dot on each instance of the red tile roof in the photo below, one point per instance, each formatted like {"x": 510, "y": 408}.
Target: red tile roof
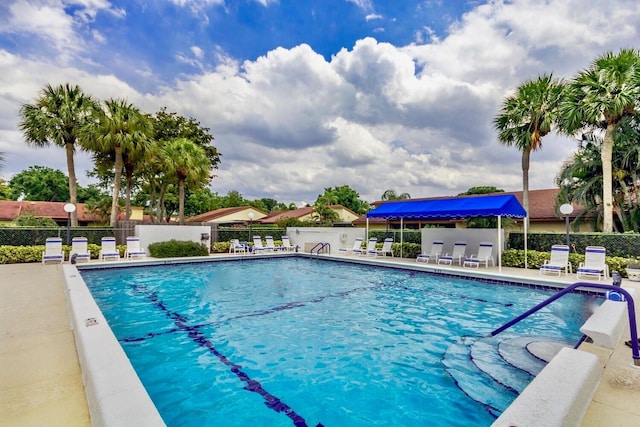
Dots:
{"x": 11, "y": 209}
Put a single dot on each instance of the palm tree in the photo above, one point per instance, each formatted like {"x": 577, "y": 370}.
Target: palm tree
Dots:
{"x": 392, "y": 195}
{"x": 599, "y": 97}
{"x": 119, "y": 128}
{"x": 57, "y": 117}
{"x": 188, "y": 163}
{"x": 525, "y": 118}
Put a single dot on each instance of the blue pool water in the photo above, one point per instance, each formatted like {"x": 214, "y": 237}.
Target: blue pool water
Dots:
{"x": 294, "y": 341}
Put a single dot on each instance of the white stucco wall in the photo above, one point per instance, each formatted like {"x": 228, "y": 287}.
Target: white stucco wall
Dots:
{"x": 162, "y": 233}
{"x": 337, "y": 237}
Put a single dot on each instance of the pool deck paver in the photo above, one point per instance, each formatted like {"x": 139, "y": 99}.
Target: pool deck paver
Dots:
{"x": 40, "y": 376}
{"x": 41, "y": 381}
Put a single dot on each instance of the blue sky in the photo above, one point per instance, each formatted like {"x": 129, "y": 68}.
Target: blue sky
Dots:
{"x": 304, "y": 95}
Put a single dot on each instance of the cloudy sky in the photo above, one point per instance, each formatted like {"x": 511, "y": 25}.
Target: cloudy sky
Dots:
{"x": 301, "y": 95}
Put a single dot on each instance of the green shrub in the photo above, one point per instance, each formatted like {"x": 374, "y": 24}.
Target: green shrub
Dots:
{"x": 515, "y": 258}
{"x": 177, "y": 248}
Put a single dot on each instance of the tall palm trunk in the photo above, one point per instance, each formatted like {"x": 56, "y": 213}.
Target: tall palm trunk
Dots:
{"x": 526, "y": 156}
{"x": 73, "y": 184}
{"x": 116, "y": 186}
{"x": 607, "y": 178}
{"x": 181, "y": 200}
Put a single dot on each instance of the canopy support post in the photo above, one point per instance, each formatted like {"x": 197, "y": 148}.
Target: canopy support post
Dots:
{"x": 500, "y": 243}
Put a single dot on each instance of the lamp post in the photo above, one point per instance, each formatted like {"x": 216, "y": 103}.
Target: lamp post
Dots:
{"x": 566, "y": 210}
{"x": 250, "y": 216}
{"x": 69, "y": 208}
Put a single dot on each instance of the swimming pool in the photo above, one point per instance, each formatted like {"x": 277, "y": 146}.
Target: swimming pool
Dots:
{"x": 309, "y": 342}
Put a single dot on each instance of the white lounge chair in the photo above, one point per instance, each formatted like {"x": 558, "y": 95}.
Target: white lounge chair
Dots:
{"x": 52, "y": 250}
{"x": 236, "y": 247}
{"x": 270, "y": 245}
{"x": 484, "y": 255}
{"x": 357, "y": 246}
{"x": 458, "y": 254}
{"x": 133, "y": 249}
{"x": 386, "y": 248}
{"x": 286, "y": 244}
{"x": 79, "y": 248}
{"x": 257, "y": 245}
{"x": 559, "y": 261}
{"x": 108, "y": 249}
{"x": 594, "y": 263}
{"x": 371, "y": 247}
{"x": 436, "y": 251}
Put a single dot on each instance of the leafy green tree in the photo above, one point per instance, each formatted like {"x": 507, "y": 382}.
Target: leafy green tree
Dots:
{"x": 601, "y": 96}
{"x": 189, "y": 164}
{"x": 345, "y": 196}
{"x": 200, "y": 201}
{"x": 171, "y": 125}
{"x": 40, "y": 183}
{"x": 57, "y": 117}
{"x": 5, "y": 190}
{"x": 392, "y": 195}
{"x": 30, "y": 220}
{"x": 482, "y": 222}
{"x": 580, "y": 179}
{"x": 526, "y": 117}
{"x": 481, "y": 190}
{"x": 233, "y": 199}
{"x": 119, "y": 128}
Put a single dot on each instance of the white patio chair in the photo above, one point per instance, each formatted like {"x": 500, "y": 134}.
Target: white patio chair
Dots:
{"x": 108, "y": 249}
{"x": 484, "y": 255}
{"x": 559, "y": 261}
{"x": 79, "y": 248}
{"x": 257, "y": 245}
{"x": 52, "y": 250}
{"x": 286, "y": 244}
{"x": 595, "y": 264}
{"x": 458, "y": 254}
{"x": 357, "y": 246}
{"x": 436, "y": 251}
{"x": 236, "y": 247}
{"x": 371, "y": 247}
{"x": 386, "y": 248}
{"x": 133, "y": 249}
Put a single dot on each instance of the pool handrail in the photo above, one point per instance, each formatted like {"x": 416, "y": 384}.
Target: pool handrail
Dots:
{"x": 320, "y": 246}
{"x": 630, "y": 309}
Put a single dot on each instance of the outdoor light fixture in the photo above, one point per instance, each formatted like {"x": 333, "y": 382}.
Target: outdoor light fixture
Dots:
{"x": 250, "y": 216}
{"x": 566, "y": 210}
{"x": 69, "y": 208}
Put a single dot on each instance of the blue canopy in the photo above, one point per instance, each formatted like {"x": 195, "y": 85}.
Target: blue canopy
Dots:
{"x": 506, "y": 205}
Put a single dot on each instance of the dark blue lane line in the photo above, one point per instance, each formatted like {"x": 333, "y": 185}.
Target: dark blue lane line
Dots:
{"x": 199, "y": 338}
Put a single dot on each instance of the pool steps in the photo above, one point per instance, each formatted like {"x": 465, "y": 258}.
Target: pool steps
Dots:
{"x": 559, "y": 396}
{"x": 115, "y": 395}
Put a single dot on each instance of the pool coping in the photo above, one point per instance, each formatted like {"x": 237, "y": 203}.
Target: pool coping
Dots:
{"x": 114, "y": 392}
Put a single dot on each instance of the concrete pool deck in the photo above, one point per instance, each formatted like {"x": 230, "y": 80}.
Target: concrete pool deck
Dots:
{"x": 41, "y": 380}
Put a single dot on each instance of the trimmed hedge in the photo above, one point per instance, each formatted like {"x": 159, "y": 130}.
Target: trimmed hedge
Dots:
{"x": 515, "y": 258}
{"x": 177, "y": 248}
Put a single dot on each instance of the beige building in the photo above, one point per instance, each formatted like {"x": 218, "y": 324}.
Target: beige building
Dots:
{"x": 308, "y": 213}
{"x": 229, "y": 217}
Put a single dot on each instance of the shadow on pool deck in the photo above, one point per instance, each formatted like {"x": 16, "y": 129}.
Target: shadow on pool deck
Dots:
{"x": 42, "y": 382}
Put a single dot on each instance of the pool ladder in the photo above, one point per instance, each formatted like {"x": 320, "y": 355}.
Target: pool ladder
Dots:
{"x": 321, "y": 247}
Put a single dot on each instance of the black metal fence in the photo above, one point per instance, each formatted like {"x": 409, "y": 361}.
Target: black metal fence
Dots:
{"x": 621, "y": 245}
{"x": 28, "y": 236}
